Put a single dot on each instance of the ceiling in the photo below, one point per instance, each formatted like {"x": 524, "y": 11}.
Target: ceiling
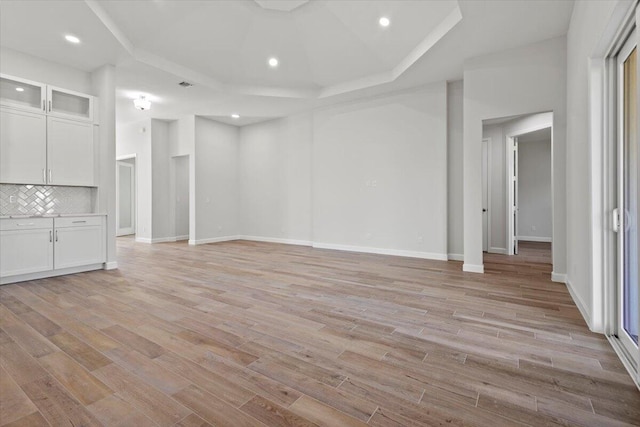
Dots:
{"x": 536, "y": 136}
{"x": 328, "y": 51}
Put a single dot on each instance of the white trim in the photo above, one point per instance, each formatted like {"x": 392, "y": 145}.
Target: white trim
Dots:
{"x": 473, "y": 268}
{"x": 582, "y": 307}
{"x": 382, "y": 251}
{"x": 455, "y": 257}
{"x": 50, "y": 273}
{"x": 213, "y": 240}
{"x": 112, "y": 265}
{"x": 627, "y": 362}
{"x": 502, "y": 251}
{"x": 276, "y": 240}
{"x": 143, "y": 240}
{"x": 533, "y": 239}
{"x": 181, "y": 238}
{"x": 558, "y": 277}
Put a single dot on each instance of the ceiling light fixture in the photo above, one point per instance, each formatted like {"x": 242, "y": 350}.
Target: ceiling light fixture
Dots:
{"x": 273, "y": 62}
{"x": 235, "y": 116}
{"x": 384, "y": 21}
{"x": 142, "y": 103}
{"x": 72, "y": 39}
{"x": 20, "y": 89}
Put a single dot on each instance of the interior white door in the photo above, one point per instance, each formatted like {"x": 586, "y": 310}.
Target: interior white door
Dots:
{"x": 125, "y": 199}
{"x": 485, "y": 195}
{"x": 514, "y": 232}
{"x": 628, "y": 319}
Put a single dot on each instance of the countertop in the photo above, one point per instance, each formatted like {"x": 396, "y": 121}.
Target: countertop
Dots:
{"x": 65, "y": 215}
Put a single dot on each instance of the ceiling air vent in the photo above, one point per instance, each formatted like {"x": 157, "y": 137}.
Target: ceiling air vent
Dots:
{"x": 185, "y": 84}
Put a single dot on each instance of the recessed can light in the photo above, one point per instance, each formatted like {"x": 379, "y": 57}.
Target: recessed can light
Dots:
{"x": 273, "y": 62}
{"x": 20, "y": 89}
{"x": 235, "y": 116}
{"x": 384, "y": 21}
{"x": 72, "y": 39}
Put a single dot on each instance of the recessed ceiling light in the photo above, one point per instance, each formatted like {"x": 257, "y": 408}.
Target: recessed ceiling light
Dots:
{"x": 20, "y": 89}
{"x": 235, "y": 116}
{"x": 142, "y": 103}
{"x": 273, "y": 62}
{"x": 72, "y": 39}
{"x": 384, "y": 21}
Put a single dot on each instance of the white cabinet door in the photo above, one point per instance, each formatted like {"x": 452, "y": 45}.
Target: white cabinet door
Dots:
{"x": 78, "y": 246}
{"x": 69, "y": 104}
{"x": 23, "y": 147}
{"x": 70, "y": 152}
{"x": 25, "y": 251}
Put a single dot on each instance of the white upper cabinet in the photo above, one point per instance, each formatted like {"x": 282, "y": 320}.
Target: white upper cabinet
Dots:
{"x": 46, "y": 134}
{"x": 23, "y": 147}
{"x": 70, "y": 152}
{"x": 69, "y": 104}
{"x": 23, "y": 94}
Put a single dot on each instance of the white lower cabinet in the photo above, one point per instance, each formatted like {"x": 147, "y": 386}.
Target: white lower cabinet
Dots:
{"x": 79, "y": 241}
{"x": 26, "y": 246}
{"x": 33, "y": 248}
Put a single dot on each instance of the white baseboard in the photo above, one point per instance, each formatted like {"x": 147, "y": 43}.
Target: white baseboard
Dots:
{"x": 473, "y": 268}
{"x": 382, "y": 251}
{"x": 213, "y": 240}
{"x": 455, "y": 257}
{"x": 276, "y": 240}
{"x": 111, "y": 265}
{"x": 180, "y": 238}
{"x": 582, "y": 307}
{"x": 534, "y": 239}
{"x": 156, "y": 240}
{"x": 502, "y": 251}
{"x": 558, "y": 277}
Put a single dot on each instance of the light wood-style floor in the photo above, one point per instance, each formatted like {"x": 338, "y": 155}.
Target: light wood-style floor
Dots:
{"x": 243, "y": 333}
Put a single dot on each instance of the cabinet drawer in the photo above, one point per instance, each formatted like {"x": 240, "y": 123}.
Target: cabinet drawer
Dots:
{"x": 26, "y": 223}
{"x": 79, "y": 221}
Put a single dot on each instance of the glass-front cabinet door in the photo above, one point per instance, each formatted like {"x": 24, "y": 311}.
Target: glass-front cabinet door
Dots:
{"x": 69, "y": 104}
{"x": 22, "y": 94}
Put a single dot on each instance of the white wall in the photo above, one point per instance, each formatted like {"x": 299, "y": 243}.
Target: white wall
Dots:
{"x": 380, "y": 176}
{"x": 534, "y": 190}
{"x": 103, "y": 82}
{"x": 20, "y": 64}
{"x": 162, "y": 225}
{"x": 216, "y": 176}
{"x": 455, "y": 202}
{"x": 275, "y": 179}
{"x": 525, "y": 80}
{"x": 135, "y": 139}
{"x": 181, "y": 196}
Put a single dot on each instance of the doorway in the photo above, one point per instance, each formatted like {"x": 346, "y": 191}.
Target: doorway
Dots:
{"x": 125, "y": 197}
{"x": 517, "y": 184}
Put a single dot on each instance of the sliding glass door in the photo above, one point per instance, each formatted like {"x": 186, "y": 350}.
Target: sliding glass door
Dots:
{"x": 628, "y": 185}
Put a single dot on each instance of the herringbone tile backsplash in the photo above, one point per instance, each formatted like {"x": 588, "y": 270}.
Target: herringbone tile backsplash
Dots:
{"x": 45, "y": 199}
